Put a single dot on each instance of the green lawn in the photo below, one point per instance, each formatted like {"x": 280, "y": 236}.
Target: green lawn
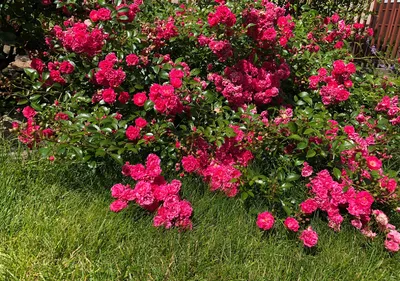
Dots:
{"x": 55, "y": 225}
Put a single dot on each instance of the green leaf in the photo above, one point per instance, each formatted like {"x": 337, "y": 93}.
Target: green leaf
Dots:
{"x": 298, "y": 162}
{"x": 100, "y": 152}
{"x": 78, "y": 151}
{"x": 195, "y": 72}
{"x": 148, "y": 105}
{"x": 337, "y": 173}
{"x": 292, "y": 177}
{"x": 303, "y": 94}
{"x": 123, "y": 17}
{"x": 156, "y": 69}
{"x": 230, "y": 132}
{"x": 23, "y": 101}
{"x": 308, "y": 100}
{"x": 32, "y": 73}
{"x": 286, "y": 185}
{"x": 311, "y": 153}
{"x": 44, "y": 151}
{"x": 286, "y": 208}
{"x": 308, "y": 131}
{"x": 164, "y": 75}
{"x": 295, "y": 137}
{"x": 35, "y": 97}
{"x": 292, "y": 127}
{"x": 302, "y": 145}
{"x": 123, "y": 10}
{"x": 117, "y": 158}
{"x": 83, "y": 116}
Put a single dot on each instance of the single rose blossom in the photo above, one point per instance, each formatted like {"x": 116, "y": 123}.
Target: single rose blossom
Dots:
{"x": 28, "y": 112}
{"x": 309, "y": 237}
{"x": 132, "y": 133}
{"x": 392, "y": 246}
{"x": 139, "y": 99}
{"x": 309, "y": 206}
{"x": 292, "y": 224}
{"x": 394, "y": 235}
{"x": 265, "y": 221}
{"x": 190, "y": 163}
{"x": 109, "y": 96}
{"x": 307, "y": 170}
{"x": 118, "y": 205}
{"x": 140, "y": 122}
{"x": 373, "y": 163}
{"x": 132, "y": 60}
{"x": 123, "y": 97}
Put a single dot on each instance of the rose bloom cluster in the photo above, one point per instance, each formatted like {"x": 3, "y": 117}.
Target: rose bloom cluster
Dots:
{"x": 218, "y": 165}
{"x": 284, "y": 117}
{"x": 107, "y": 76}
{"x": 360, "y": 160}
{"x": 162, "y": 33}
{"x": 30, "y": 133}
{"x": 81, "y": 39}
{"x": 222, "y": 15}
{"x": 268, "y": 25}
{"x": 391, "y": 108}
{"x": 245, "y": 83}
{"x": 334, "y": 89}
{"x": 133, "y": 132}
{"x": 165, "y": 99}
{"x": 102, "y": 14}
{"x": 334, "y": 31}
{"x": 331, "y": 197}
{"x": 58, "y": 71}
{"x": 153, "y": 193}
{"x": 221, "y": 48}
{"x": 129, "y": 15}
{"x": 348, "y": 156}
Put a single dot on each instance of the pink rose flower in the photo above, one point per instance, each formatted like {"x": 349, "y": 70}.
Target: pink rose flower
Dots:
{"x": 123, "y": 97}
{"x": 292, "y": 224}
{"x": 132, "y": 133}
{"x": 28, "y": 112}
{"x": 109, "y": 96}
{"x": 190, "y": 163}
{"x": 309, "y": 206}
{"x": 140, "y": 122}
{"x": 307, "y": 170}
{"x": 265, "y": 221}
{"x": 309, "y": 237}
{"x": 139, "y": 99}
{"x": 118, "y": 205}
{"x": 132, "y": 60}
{"x": 373, "y": 163}
{"x": 392, "y": 246}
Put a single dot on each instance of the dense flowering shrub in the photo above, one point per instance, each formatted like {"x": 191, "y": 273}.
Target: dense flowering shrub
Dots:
{"x": 254, "y": 102}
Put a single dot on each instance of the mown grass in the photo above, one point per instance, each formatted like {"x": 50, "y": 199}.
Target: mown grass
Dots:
{"x": 55, "y": 225}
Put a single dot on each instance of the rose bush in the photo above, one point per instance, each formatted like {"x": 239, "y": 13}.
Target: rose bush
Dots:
{"x": 242, "y": 95}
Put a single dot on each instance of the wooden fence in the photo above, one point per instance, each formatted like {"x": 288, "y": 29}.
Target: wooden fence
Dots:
{"x": 385, "y": 20}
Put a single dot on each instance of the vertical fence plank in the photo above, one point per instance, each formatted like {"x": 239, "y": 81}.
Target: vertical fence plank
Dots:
{"x": 396, "y": 23}
{"x": 384, "y": 23}
{"x": 390, "y": 23}
{"x": 377, "y": 19}
{"x": 395, "y": 40}
{"x": 395, "y": 50}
